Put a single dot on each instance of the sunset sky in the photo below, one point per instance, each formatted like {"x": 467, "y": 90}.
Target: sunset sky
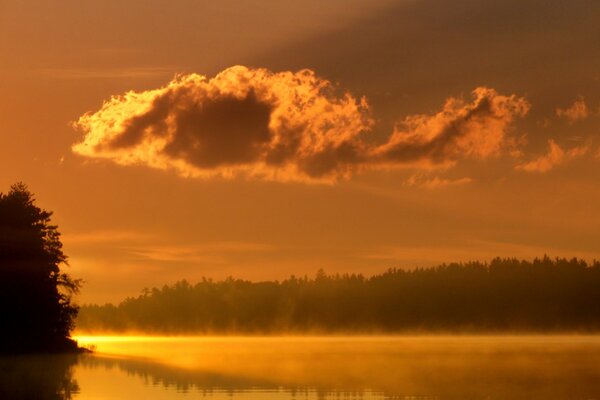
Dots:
{"x": 259, "y": 139}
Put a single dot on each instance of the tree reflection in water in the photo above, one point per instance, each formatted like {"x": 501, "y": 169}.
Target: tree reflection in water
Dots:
{"x": 38, "y": 377}
{"x": 451, "y": 368}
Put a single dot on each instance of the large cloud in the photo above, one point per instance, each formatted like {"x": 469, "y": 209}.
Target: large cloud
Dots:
{"x": 479, "y": 129}
{"x": 284, "y": 126}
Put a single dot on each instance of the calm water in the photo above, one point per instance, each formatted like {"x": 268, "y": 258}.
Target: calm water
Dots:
{"x": 144, "y": 368}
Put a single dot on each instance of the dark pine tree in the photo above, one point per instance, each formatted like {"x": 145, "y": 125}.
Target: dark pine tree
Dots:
{"x": 36, "y": 311}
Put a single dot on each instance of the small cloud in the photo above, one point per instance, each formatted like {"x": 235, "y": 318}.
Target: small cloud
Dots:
{"x": 479, "y": 129}
{"x": 578, "y": 151}
{"x": 554, "y": 157}
{"x": 578, "y": 111}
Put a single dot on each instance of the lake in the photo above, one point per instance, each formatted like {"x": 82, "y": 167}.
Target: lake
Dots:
{"x": 370, "y": 367}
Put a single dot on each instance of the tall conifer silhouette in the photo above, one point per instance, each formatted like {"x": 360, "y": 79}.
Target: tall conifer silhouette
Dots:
{"x": 35, "y": 294}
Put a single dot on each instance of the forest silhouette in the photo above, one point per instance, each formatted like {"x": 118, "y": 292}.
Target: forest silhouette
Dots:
{"x": 35, "y": 294}
{"x": 505, "y": 294}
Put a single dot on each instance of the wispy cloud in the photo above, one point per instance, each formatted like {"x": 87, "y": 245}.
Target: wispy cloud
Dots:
{"x": 576, "y": 112}
{"x": 106, "y": 236}
{"x": 108, "y": 73}
{"x": 435, "y": 182}
{"x": 555, "y": 156}
{"x": 212, "y": 252}
{"x": 151, "y": 246}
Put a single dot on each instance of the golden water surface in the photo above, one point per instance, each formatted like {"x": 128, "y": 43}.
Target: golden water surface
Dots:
{"x": 404, "y": 367}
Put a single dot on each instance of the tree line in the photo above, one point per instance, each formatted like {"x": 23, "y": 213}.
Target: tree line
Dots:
{"x": 505, "y": 294}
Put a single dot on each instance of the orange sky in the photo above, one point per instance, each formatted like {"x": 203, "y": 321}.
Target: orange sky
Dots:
{"x": 357, "y": 136}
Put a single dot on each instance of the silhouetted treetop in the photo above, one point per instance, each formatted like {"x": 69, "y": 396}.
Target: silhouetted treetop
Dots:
{"x": 35, "y": 295}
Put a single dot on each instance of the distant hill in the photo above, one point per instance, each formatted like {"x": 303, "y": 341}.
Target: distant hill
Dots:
{"x": 502, "y": 295}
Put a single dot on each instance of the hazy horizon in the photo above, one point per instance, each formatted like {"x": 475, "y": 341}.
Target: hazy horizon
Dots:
{"x": 420, "y": 132}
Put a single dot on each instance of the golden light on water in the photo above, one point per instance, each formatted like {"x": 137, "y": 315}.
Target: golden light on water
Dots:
{"x": 392, "y": 364}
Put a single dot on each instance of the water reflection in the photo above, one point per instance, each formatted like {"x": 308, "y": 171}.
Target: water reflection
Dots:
{"x": 179, "y": 379}
{"x": 401, "y": 368}
{"x": 38, "y": 377}
{"x": 549, "y": 368}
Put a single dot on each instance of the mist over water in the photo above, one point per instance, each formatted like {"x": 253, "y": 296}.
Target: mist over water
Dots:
{"x": 441, "y": 367}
